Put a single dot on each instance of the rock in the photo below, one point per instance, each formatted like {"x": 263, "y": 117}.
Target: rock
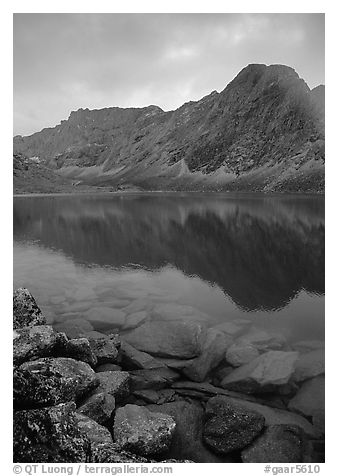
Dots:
{"x": 263, "y": 340}
{"x": 156, "y": 396}
{"x": 80, "y": 349}
{"x": 112, "y": 453}
{"x": 49, "y": 435}
{"x": 200, "y": 388}
{"x": 266, "y": 372}
{"x": 176, "y": 364}
{"x": 213, "y": 352}
{"x": 103, "y": 348}
{"x": 135, "y": 319}
{"x": 241, "y": 354}
{"x": 278, "y": 444}
{"x": 229, "y": 426}
{"x": 187, "y": 442}
{"x": 137, "y": 305}
{"x": 34, "y": 342}
{"x": 99, "y": 407}
{"x": 152, "y": 378}
{"x": 106, "y": 315}
{"x": 275, "y": 416}
{"x": 310, "y": 364}
{"x": 95, "y": 432}
{"x": 310, "y": 398}
{"x": 25, "y": 310}
{"x": 233, "y": 328}
{"x": 177, "y": 312}
{"x": 305, "y": 346}
{"x": 74, "y": 328}
{"x": 143, "y": 432}
{"x": 50, "y": 381}
{"x": 168, "y": 339}
{"x": 134, "y": 359}
{"x": 114, "y": 383}
{"x": 108, "y": 367}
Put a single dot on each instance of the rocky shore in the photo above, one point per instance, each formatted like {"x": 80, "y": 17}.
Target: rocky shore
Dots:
{"x": 169, "y": 391}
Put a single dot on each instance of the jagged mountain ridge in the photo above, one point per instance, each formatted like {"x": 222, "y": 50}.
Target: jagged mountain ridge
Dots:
{"x": 264, "y": 131}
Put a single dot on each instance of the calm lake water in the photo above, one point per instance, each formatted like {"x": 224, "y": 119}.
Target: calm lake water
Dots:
{"x": 224, "y": 257}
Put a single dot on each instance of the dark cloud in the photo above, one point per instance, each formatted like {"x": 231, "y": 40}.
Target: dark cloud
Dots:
{"x": 66, "y": 61}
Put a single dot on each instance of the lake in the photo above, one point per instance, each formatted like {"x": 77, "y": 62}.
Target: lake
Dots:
{"x": 210, "y": 257}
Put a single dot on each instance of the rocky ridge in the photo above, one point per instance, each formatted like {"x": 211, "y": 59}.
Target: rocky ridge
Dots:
{"x": 84, "y": 396}
{"x": 263, "y": 132}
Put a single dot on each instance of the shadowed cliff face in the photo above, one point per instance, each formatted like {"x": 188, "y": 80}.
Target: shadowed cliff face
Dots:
{"x": 264, "y": 131}
{"x": 260, "y": 251}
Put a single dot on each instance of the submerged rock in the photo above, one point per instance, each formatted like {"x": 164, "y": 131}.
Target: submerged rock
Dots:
{"x": 310, "y": 364}
{"x": 278, "y": 444}
{"x": 134, "y": 359}
{"x": 241, "y": 354}
{"x": 213, "y": 352}
{"x": 74, "y": 328}
{"x": 135, "y": 319}
{"x": 177, "y": 312}
{"x": 106, "y": 315}
{"x": 168, "y": 339}
{"x": 310, "y": 398}
{"x": 34, "y": 342}
{"x": 146, "y": 433}
{"x": 49, "y": 435}
{"x": 229, "y": 426}
{"x": 266, "y": 372}
{"x": 25, "y": 310}
{"x": 263, "y": 340}
{"x": 50, "y": 381}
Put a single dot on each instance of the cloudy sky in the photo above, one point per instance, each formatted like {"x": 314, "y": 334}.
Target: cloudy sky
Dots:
{"x": 66, "y": 61}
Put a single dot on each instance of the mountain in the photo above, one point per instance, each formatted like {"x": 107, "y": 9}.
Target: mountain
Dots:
{"x": 263, "y": 132}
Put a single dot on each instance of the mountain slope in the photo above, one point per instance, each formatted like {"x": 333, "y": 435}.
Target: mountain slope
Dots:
{"x": 264, "y": 131}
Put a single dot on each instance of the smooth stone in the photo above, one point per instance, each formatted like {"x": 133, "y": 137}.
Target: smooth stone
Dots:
{"x": 276, "y": 416}
{"x": 107, "y": 315}
{"x": 135, "y": 319}
{"x": 187, "y": 442}
{"x": 25, "y": 310}
{"x": 50, "y": 381}
{"x": 310, "y": 365}
{"x": 74, "y": 328}
{"x": 143, "y": 432}
{"x": 213, "y": 352}
{"x": 133, "y": 359}
{"x": 172, "y": 311}
{"x": 152, "y": 378}
{"x": 168, "y": 339}
{"x": 263, "y": 340}
{"x": 310, "y": 398}
{"x": 99, "y": 407}
{"x": 108, "y": 367}
{"x": 278, "y": 444}
{"x": 266, "y": 372}
{"x": 48, "y": 435}
{"x": 229, "y": 426}
{"x": 233, "y": 328}
{"x": 80, "y": 349}
{"x": 241, "y": 354}
{"x": 34, "y": 342}
{"x": 115, "y": 383}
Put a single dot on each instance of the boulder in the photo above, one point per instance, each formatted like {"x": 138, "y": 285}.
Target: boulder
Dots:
{"x": 25, "y": 310}
{"x": 115, "y": 383}
{"x": 99, "y": 407}
{"x": 275, "y": 416}
{"x": 278, "y": 444}
{"x": 229, "y": 426}
{"x": 309, "y": 365}
{"x": 152, "y": 378}
{"x": 80, "y": 349}
{"x": 143, "y": 432}
{"x": 168, "y": 339}
{"x": 74, "y": 328}
{"x": 265, "y": 373}
{"x": 133, "y": 359}
{"x": 50, "y": 381}
{"x": 187, "y": 443}
{"x": 34, "y": 342}
{"x": 214, "y": 350}
{"x": 92, "y": 430}
{"x": 241, "y": 354}
{"x": 310, "y": 398}
{"x": 49, "y": 435}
